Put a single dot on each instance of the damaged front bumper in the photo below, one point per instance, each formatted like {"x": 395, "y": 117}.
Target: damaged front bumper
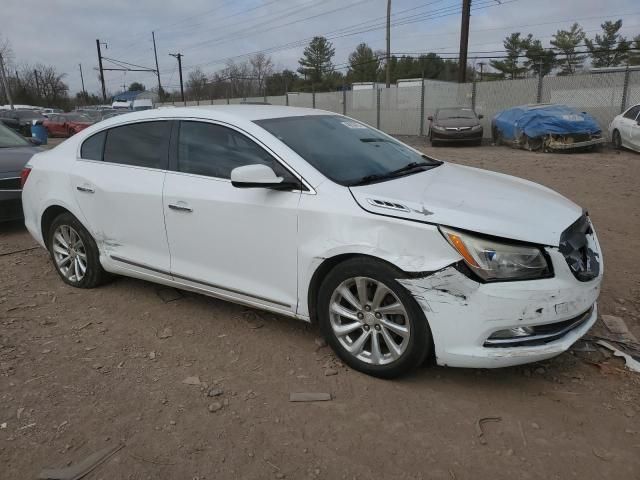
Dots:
{"x": 468, "y": 319}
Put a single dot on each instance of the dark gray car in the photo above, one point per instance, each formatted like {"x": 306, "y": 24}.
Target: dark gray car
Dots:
{"x": 455, "y": 124}
{"x": 15, "y": 152}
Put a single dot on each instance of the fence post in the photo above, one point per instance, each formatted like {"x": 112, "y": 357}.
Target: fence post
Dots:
{"x": 344, "y": 100}
{"x": 286, "y": 98}
{"x": 473, "y": 93}
{"x": 422, "y": 106}
{"x": 625, "y": 90}
{"x": 228, "y": 96}
{"x": 313, "y": 96}
{"x": 377, "y": 107}
{"x": 540, "y": 80}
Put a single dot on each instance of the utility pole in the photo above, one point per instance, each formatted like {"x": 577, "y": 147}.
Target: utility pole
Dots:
{"x": 482, "y": 64}
{"x": 388, "y": 66}
{"x": 82, "y": 79}
{"x": 35, "y": 74}
{"x": 4, "y": 82}
{"x": 104, "y": 90}
{"x": 464, "y": 41}
{"x": 155, "y": 53}
{"x": 179, "y": 57}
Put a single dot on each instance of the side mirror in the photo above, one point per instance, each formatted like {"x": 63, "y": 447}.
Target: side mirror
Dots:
{"x": 430, "y": 118}
{"x": 258, "y": 176}
{"x": 480, "y": 117}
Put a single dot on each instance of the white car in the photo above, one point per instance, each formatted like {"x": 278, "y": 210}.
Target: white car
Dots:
{"x": 625, "y": 129}
{"x": 398, "y": 256}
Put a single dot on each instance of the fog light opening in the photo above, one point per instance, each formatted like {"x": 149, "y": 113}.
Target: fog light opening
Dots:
{"x": 515, "y": 332}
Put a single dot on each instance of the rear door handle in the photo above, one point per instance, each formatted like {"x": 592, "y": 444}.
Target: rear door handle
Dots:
{"x": 180, "y": 207}
{"x": 85, "y": 189}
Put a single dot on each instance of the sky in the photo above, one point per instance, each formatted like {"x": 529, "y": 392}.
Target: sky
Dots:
{"x": 208, "y": 33}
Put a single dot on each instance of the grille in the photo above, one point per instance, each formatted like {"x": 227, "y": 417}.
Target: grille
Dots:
{"x": 10, "y": 184}
{"x": 576, "y": 244}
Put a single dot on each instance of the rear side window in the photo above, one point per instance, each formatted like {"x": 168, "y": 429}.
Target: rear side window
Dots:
{"x": 93, "y": 146}
{"x": 139, "y": 144}
{"x": 214, "y": 150}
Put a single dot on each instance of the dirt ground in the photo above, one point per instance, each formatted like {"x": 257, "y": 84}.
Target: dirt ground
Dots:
{"x": 83, "y": 370}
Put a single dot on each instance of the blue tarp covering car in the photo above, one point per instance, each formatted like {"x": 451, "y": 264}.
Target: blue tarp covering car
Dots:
{"x": 546, "y": 127}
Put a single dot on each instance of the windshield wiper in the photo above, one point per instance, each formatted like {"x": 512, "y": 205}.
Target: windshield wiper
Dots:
{"x": 393, "y": 173}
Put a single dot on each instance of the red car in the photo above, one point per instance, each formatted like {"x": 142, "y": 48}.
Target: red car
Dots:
{"x": 66, "y": 124}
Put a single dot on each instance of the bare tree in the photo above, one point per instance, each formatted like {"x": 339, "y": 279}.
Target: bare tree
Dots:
{"x": 240, "y": 79}
{"x": 197, "y": 85}
{"x": 261, "y": 68}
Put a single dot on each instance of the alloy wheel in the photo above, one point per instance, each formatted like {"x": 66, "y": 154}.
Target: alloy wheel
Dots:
{"x": 369, "y": 320}
{"x": 69, "y": 253}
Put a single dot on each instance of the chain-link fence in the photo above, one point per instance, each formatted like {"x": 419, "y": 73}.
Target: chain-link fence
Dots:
{"x": 404, "y": 109}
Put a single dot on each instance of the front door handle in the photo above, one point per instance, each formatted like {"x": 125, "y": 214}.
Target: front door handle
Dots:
{"x": 85, "y": 189}
{"x": 180, "y": 207}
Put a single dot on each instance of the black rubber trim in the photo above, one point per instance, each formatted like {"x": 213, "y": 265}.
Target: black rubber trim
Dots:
{"x": 189, "y": 279}
{"x": 543, "y": 334}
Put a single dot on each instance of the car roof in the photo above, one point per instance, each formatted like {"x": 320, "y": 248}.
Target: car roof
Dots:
{"x": 228, "y": 112}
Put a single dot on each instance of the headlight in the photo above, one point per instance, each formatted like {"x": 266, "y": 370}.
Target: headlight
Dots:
{"x": 475, "y": 128}
{"x": 494, "y": 260}
{"x": 438, "y": 127}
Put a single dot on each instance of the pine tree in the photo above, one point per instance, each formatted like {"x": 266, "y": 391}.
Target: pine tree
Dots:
{"x": 363, "y": 64}
{"x": 540, "y": 60}
{"x": 611, "y": 49}
{"x": 510, "y": 67}
{"x": 316, "y": 59}
{"x": 566, "y": 41}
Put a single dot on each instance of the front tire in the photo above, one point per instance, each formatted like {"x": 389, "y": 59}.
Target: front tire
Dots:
{"x": 371, "y": 321}
{"x": 616, "y": 139}
{"x": 74, "y": 253}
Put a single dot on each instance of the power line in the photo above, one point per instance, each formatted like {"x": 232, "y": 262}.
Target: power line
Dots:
{"x": 402, "y": 21}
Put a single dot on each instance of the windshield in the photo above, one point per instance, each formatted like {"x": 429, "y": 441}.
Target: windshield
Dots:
{"x": 446, "y": 113}
{"x": 344, "y": 150}
{"x": 9, "y": 139}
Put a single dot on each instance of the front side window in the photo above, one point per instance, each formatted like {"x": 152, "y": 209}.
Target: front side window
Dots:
{"x": 138, "y": 144}
{"x": 632, "y": 113}
{"x": 344, "y": 150}
{"x": 213, "y": 150}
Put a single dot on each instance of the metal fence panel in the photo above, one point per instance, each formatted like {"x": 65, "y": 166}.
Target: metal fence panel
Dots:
{"x": 599, "y": 94}
{"x": 277, "y": 100}
{"x": 400, "y": 110}
{"x": 300, "y": 99}
{"x": 633, "y": 89}
{"x": 331, "y": 101}
{"x": 493, "y": 97}
{"x": 361, "y": 105}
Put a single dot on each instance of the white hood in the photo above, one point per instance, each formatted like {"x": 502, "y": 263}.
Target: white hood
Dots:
{"x": 476, "y": 200}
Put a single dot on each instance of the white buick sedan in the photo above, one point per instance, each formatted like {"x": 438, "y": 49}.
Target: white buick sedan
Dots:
{"x": 397, "y": 256}
{"x": 625, "y": 129}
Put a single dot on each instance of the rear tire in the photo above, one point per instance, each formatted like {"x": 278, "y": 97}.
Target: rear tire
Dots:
{"x": 371, "y": 321}
{"x": 74, "y": 253}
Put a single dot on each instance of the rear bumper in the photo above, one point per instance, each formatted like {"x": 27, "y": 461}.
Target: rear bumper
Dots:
{"x": 464, "y": 314}
{"x": 10, "y": 205}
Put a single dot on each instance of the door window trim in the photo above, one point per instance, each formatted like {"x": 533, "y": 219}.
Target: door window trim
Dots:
{"x": 166, "y": 143}
{"x": 173, "y": 152}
